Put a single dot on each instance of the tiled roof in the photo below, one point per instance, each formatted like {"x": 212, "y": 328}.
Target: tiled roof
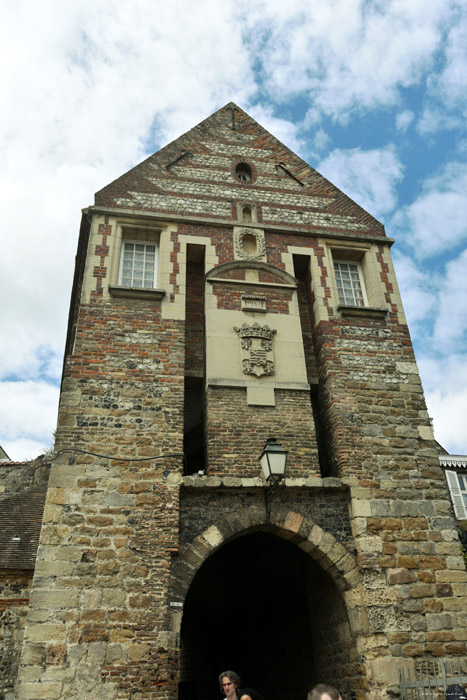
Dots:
{"x": 20, "y": 517}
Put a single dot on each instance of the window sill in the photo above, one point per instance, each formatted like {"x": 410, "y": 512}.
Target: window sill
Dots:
{"x": 136, "y": 293}
{"x": 362, "y": 312}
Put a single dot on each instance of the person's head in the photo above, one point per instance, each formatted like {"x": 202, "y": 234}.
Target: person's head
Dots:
{"x": 250, "y": 694}
{"x": 322, "y": 691}
{"x": 455, "y": 692}
{"x": 228, "y": 683}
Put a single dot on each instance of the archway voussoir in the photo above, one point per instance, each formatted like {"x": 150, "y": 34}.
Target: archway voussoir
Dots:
{"x": 324, "y": 562}
{"x": 316, "y": 535}
{"x": 182, "y": 571}
{"x": 238, "y": 524}
{"x": 202, "y": 547}
{"x": 178, "y": 590}
{"x": 253, "y": 520}
{"x": 279, "y": 518}
{"x": 336, "y": 576}
{"x": 325, "y": 545}
{"x": 193, "y": 557}
{"x": 337, "y": 552}
{"x": 353, "y": 576}
{"x": 227, "y": 529}
{"x": 307, "y": 546}
{"x": 213, "y": 536}
{"x": 340, "y": 581}
{"x": 347, "y": 563}
{"x": 293, "y": 522}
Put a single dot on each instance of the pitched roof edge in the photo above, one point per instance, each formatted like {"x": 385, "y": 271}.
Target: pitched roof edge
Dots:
{"x": 342, "y": 197}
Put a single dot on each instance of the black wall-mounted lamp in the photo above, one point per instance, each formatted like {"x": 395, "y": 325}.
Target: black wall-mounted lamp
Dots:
{"x": 273, "y": 461}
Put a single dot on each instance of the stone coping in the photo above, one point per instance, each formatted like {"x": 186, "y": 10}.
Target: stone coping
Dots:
{"x": 133, "y": 214}
{"x": 310, "y": 482}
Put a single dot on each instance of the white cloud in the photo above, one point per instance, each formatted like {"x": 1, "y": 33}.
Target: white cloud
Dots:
{"x": 418, "y": 290}
{"x": 445, "y": 382}
{"x": 451, "y": 84}
{"x": 28, "y": 415}
{"x": 347, "y": 54}
{"x": 446, "y": 105}
{"x": 368, "y": 177}
{"x": 447, "y": 408}
{"x": 404, "y": 119}
{"x": 437, "y": 220}
{"x": 24, "y": 449}
{"x": 84, "y": 87}
{"x": 451, "y": 323}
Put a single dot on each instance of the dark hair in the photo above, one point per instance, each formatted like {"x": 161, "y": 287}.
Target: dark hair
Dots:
{"x": 318, "y": 691}
{"x": 232, "y": 676}
{"x": 253, "y": 694}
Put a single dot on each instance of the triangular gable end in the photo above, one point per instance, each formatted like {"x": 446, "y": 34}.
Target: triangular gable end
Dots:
{"x": 195, "y": 176}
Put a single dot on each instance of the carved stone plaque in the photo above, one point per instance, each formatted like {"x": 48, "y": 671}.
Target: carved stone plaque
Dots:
{"x": 254, "y": 302}
{"x": 256, "y": 349}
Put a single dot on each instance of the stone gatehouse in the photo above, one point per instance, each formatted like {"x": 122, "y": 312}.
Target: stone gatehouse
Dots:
{"x": 226, "y": 293}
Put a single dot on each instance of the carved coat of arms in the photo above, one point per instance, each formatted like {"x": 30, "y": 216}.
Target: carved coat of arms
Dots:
{"x": 257, "y": 352}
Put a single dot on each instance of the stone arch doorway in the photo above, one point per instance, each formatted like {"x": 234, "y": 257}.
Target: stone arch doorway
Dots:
{"x": 263, "y": 607}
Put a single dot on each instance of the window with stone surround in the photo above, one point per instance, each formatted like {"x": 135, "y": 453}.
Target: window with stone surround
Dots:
{"x": 350, "y": 284}
{"x": 135, "y": 270}
{"x": 138, "y": 264}
{"x": 356, "y": 283}
{"x": 458, "y": 489}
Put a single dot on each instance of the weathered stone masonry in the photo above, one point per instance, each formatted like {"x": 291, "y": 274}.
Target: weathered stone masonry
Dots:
{"x": 154, "y": 574}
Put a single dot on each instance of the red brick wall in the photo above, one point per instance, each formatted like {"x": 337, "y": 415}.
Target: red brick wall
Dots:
{"x": 237, "y": 433}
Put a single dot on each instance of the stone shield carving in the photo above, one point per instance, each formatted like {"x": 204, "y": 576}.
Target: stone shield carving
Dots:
{"x": 256, "y": 348}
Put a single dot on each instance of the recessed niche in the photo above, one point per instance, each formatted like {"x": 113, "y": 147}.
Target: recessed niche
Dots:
{"x": 247, "y": 215}
{"x": 249, "y": 244}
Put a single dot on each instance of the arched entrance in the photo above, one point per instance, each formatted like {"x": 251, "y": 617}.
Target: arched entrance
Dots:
{"x": 263, "y": 607}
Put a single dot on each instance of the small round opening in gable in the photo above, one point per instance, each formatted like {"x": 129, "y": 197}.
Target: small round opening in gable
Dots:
{"x": 243, "y": 172}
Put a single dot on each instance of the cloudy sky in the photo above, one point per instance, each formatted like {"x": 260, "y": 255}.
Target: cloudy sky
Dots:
{"x": 372, "y": 93}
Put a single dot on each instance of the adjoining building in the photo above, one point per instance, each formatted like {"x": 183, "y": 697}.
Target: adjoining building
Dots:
{"x": 226, "y": 293}
{"x": 455, "y": 468}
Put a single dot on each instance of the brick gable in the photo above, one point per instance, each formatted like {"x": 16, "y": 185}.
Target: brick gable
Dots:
{"x": 195, "y": 176}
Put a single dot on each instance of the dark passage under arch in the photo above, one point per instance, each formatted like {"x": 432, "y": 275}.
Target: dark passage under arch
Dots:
{"x": 264, "y": 608}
